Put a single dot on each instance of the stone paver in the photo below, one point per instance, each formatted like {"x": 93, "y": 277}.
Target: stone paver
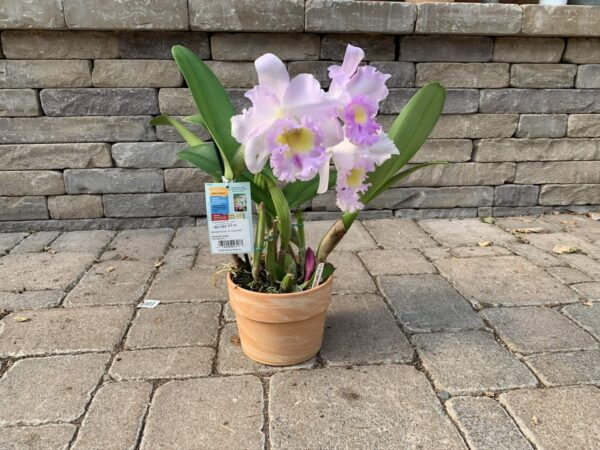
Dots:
{"x": 504, "y": 281}
{"x": 548, "y": 241}
{"x": 341, "y": 408}
{"x": 358, "y": 238}
{"x": 82, "y": 241}
{"x": 232, "y": 360}
{"x": 394, "y": 233}
{"x": 36, "y": 242}
{"x": 189, "y": 237}
{"x": 350, "y": 275}
{"x": 453, "y": 232}
{"x": 160, "y": 363}
{"x": 42, "y": 271}
{"x": 470, "y": 362}
{"x": 560, "y": 369}
{"x": 206, "y": 413}
{"x": 30, "y": 300}
{"x": 535, "y": 330}
{"x": 536, "y": 256}
{"x": 425, "y": 303}
{"x": 558, "y": 418}
{"x": 391, "y": 262}
{"x": 472, "y": 252}
{"x": 112, "y": 283}
{"x": 361, "y": 330}
{"x": 587, "y": 317}
{"x": 485, "y": 424}
{"x": 10, "y": 240}
{"x": 568, "y": 275}
{"x": 583, "y": 263}
{"x": 139, "y": 244}
{"x": 56, "y": 388}
{"x": 184, "y": 285}
{"x": 179, "y": 258}
{"x": 50, "y": 331}
{"x": 37, "y": 438}
{"x": 114, "y": 418}
{"x": 176, "y": 325}
{"x": 590, "y": 291}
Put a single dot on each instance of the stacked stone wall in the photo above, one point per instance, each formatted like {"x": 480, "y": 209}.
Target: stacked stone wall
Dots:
{"x": 80, "y": 80}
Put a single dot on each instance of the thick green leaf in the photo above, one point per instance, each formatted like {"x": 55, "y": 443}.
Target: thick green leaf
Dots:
{"x": 196, "y": 119}
{"x": 186, "y": 134}
{"x": 283, "y": 213}
{"x": 203, "y": 157}
{"x": 299, "y": 192}
{"x": 212, "y": 101}
{"x": 404, "y": 173}
{"x": 409, "y": 132}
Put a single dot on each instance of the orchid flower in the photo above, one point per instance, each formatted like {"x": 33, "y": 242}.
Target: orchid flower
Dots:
{"x": 290, "y": 123}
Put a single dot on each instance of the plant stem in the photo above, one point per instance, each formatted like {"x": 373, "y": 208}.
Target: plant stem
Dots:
{"x": 301, "y": 243}
{"x": 271, "y": 259}
{"x": 258, "y": 243}
{"x": 335, "y": 234}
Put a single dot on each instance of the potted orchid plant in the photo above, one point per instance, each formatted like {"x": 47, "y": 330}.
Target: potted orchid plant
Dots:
{"x": 296, "y": 141}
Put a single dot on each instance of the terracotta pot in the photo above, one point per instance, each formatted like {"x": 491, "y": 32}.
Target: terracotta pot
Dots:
{"x": 280, "y": 329}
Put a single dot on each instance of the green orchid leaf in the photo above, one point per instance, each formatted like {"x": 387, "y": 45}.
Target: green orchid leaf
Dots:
{"x": 403, "y": 174}
{"x": 186, "y": 134}
{"x": 204, "y": 158}
{"x": 300, "y": 192}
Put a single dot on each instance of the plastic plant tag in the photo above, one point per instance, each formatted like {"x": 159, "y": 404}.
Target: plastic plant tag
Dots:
{"x": 229, "y": 217}
{"x": 149, "y": 304}
{"x": 318, "y": 275}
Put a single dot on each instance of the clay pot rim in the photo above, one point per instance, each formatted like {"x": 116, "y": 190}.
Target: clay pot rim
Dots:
{"x": 279, "y": 296}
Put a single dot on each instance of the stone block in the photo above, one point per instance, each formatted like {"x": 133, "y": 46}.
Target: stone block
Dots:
{"x": 583, "y": 263}
{"x": 45, "y": 130}
{"x": 435, "y": 213}
{"x": 543, "y": 75}
{"x": 571, "y": 21}
{"x": 9, "y": 240}
{"x": 56, "y": 388}
{"x": 516, "y": 195}
{"x": 589, "y": 291}
{"x": 31, "y": 182}
{"x": 115, "y": 416}
{"x": 464, "y": 174}
{"x": 249, "y": 46}
{"x": 536, "y": 255}
{"x": 155, "y": 205}
{"x": 190, "y": 237}
{"x": 44, "y": 14}
{"x": 578, "y": 172}
{"x": 361, "y": 330}
{"x": 569, "y": 194}
{"x": 147, "y": 155}
{"x": 135, "y": 14}
{"x": 479, "y": 252}
{"x": 586, "y": 317}
{"x": 75, "y": 207}
{"x": 547, "y": 242}
{"x": 451, "y": 150}
{"x": 158, "y": 44}
{"x": 458, "y": 18}
{"x": 463, "y": 75}
{"x": 318, "y": 69}
{"x": 23, "y": 208}
{"x": 394, "y": 233}
{"x": 112, "y": 283}
{"x": 475, "y": 126}
{"x": 509, "y": 211}
{"x": 234, "y": 74}
{"x": 58, "y": 330}
{"x": 35, "y": 242}
{"x": 446, "y": 48}
{"x": 562, "y": 414}
{"x": 541, "y": 101}
{"x": 584, "y": 125}
{"x": 175, "y": 325}
{"x": 470, "y": 362}
{"x": 92, "y": 242}
{"x": 54, "y": 156}
{"x": 488, "y": 150}
{"x": 528, "y": 49}
{"x": 387, "y": 262}
{"x": 560, "y": 369}
{"x": 46, "y": 436}
{"x": 170, "y": 134}
{"x": 458, "y": 101}
{"x": 348, "y": 399}
{"x": 19, "y": 103}
{"x": 426, "y": 303}
{"x": 136, "y": 73}
{"x": 333, "y": 16}
{"x": 542, "y": 126}
{"x": 113, "y": 181}
{"x": 452, "y": 233}
{"x": 568, "y": 275}
{"x": 176, "y": 102}
{"x": 139, "y": 244}
{"x": 183, "y": 362}
{"x": 247, "y": 15}
{"x": 351, "y": 274}
{"x": 588, "y": 76}
{"x": 99, "y": 102}
{"x": 195, "y": 285}
{"x": 582, "y": 51}
{"x": 186, "y": 180}
{"x": 537, "y": 330}
{"x": 59, "y": 45}
{"x": 376, "y": 47}
{"x": 44, "y": 74}
{"x": 443, "y": 197}
{"x": 485, "y": 424}
{"x": 402, "y": 73}
{"x": 357, "y": 238}
{"x": 523, "y": 284}
{"x": 94, "y": 224}
{"x": 179, "y": 406}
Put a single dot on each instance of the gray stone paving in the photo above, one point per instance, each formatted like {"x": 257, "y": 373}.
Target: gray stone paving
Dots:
{"x": 431, "y": 341}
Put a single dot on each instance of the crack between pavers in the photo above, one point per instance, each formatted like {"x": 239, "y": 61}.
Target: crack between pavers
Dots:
{"x": 265, "y": 429}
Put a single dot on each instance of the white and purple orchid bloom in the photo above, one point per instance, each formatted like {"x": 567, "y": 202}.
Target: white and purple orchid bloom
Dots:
{"x": 299, "y": 128}
{"x": 291, "y": 122}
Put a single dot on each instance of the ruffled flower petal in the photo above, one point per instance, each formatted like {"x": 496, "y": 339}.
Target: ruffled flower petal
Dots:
{"x": 272, "y": 74}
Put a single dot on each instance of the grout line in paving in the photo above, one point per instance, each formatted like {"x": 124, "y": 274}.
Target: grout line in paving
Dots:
{"x": 266, "y": 384}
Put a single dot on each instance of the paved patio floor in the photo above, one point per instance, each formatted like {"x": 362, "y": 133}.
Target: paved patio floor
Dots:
{"x": 442, "y": 334}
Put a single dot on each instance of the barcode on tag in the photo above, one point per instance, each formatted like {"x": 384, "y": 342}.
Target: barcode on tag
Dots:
{"x": 231, "y": 243}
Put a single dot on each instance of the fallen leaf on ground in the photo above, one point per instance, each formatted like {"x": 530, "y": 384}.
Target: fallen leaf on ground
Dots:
{"x": 560, "y": 249}
{"x": 485, "y": 243}
{"x": 488, "y": 220}
{"x": 529, "y": 230}
{"x": 587, "y": 303}
{"x": 110, "y": 269}
{"x": 534, "y": 421}
{"x": 595, "y": 215}
{"x": 157, "y": 264}
{"x": 568, "y": 222}
{"x": 235, "y": 340}
{"x": 22, "y": 319}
